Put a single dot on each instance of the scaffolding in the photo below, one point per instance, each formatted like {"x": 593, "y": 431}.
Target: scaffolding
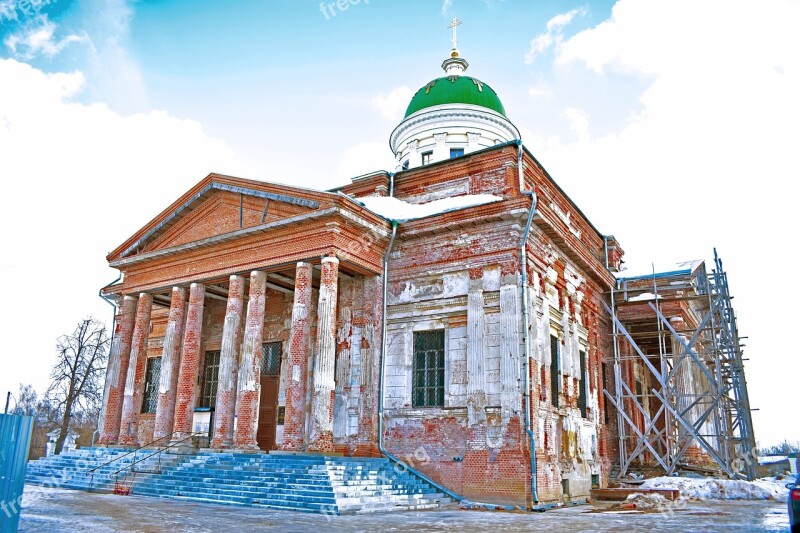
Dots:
{"x": 678, "y": 385}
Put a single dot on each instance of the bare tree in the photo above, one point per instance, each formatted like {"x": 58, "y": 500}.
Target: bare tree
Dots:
{"x": 78, "y": 374}
{"x": 45, "y": 416}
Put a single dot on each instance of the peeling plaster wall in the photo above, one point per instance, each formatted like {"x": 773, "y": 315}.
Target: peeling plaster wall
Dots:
{"x": 475, "y": 441}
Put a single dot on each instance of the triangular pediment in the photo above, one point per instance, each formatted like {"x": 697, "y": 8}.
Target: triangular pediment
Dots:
{"x": 220, "y": 205}
{"x": 221, "y": 212}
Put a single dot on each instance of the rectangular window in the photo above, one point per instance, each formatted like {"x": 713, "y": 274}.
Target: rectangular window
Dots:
{"x": 151, "y": 379}
{"x": 582, "y": 385}
{"x": 426, "y": 157}
{"x": 271, "y": 358}
{"x": 428, "y": 369}
{"x": 456, "y": 152}
{"x": 405, "y": 164}
{"x": 208, "y": 395}
{"x": 554, "y": 373}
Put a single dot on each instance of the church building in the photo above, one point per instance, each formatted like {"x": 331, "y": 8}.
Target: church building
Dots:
{"x": 450, "y": 310}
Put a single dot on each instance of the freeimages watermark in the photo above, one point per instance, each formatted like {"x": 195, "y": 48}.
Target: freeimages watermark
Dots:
{"x": 14, "y": 505}
{"x": 21, "y": 9}
{"x": 329, "y": 9}
{"x": 412, "y": 460}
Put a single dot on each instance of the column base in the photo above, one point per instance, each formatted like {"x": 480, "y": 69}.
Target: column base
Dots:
{"x": 323, "y": 443}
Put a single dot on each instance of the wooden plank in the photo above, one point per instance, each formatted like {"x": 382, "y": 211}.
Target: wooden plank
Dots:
{"x": 621, "y": 494}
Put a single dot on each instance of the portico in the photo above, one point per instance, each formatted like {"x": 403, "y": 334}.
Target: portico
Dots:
{"x": 234, "y": 330}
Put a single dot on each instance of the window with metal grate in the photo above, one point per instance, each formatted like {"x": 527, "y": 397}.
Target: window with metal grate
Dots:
{"x": 271, "y": 358}
{"x": 554, "y": 370}
{"x": 582, "y": 385}
{"x": 208, "y": 397}
{"x": 151, "y": 380}
{"x": 428, "y": 369}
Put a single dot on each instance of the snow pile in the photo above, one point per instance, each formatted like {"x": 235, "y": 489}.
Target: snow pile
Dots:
{"x": 395, "y": 209}
{"x": 648, "y": 501}
{"x": 770, "y": 459}
{"x": 721, "y": 489}
{"x": 644, "y": 297}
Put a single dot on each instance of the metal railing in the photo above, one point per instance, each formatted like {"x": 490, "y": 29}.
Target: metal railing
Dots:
{"x": 136, "y": 461}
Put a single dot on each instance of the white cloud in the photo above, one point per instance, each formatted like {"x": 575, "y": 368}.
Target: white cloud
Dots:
{"x": 578, "y": 122}
{"x": 30, "y": 42}
{"x": 553, "y": 36}
{"x": 78, "y": 179}
{"x": 115, "y": 75}
{"x": 708, "y": 161}
{"x": 446, "y": 6}
{"x": 541, "y": 89}
{"x": 564, "y": 19}
{"x": 364, "y": 158}
{"x": 394, "y": 104}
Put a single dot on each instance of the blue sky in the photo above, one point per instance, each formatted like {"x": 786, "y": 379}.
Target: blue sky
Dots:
{"x": 671, "y": 123}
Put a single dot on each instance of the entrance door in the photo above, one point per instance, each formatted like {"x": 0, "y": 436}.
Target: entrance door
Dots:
{"x": 268, "y": 407}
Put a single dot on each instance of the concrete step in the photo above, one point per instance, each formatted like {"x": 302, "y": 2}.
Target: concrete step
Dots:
{"x": 312, "y": 483}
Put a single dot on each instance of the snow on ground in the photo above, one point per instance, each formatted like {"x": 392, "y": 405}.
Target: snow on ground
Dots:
{"x": 400, "y": 210}
{"x": 55, "y": 510}
{"x": 722, "y": 489}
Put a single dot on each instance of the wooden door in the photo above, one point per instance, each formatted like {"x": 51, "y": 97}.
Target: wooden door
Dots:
{"x": 271, "y": 353}
{"x": 268, "y": 413}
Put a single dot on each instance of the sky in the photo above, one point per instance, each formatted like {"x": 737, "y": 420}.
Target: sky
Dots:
{"x": 673, "y": 124}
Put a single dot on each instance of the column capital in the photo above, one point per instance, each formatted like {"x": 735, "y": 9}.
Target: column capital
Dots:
{"x": 330, "y": 259}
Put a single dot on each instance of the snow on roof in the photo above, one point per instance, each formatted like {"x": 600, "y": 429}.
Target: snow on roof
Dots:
{"x": 645, "y": 296}
{"x": 681, "y": 267}
{"x": 395, "y": 209}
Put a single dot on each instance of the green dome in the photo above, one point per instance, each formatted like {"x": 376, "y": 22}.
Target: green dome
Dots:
{"x": 455, "y": 90}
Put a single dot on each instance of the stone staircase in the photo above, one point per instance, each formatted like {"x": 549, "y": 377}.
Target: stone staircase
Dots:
{"x": 309, "y": 483}
{"x": 95, "y": 468}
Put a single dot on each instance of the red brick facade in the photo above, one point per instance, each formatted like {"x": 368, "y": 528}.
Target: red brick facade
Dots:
{"x": 315, "y": 266}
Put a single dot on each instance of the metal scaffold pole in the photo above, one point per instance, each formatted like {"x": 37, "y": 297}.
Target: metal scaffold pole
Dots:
{"x": 680, "y": 390}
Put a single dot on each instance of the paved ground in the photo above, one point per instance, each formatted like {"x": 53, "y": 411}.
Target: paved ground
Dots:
{"x": 57, "y": 510}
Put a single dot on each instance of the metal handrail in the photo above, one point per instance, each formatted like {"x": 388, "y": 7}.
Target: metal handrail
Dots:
{"x": 162, "y": 450}
{"x": 92, "y": 471}
{"x": 132, "y": 452}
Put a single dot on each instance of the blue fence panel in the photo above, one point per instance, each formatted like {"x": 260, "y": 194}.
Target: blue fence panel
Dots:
{"x": 15, "y": 440}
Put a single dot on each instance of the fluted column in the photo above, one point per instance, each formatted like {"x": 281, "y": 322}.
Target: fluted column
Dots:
{"x": 170, "y": 361}
{"x": 321, "y": 434}
{"x": 509, "y": 349}
{"x": 134, "y": 381}
{"x": 476, "y": 382}
{"x": 117, "y": 371}
{"x": 249, "y": 389}
{"x": 295, "y": 416}
{"x": 228, "y": 366}
{"x": 190, "y": 363}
